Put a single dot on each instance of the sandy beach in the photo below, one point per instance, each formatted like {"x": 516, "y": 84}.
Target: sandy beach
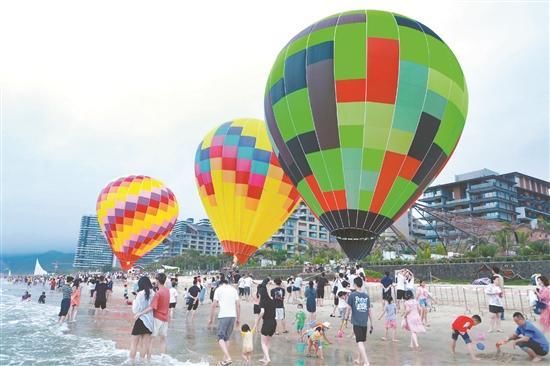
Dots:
{"x": 193, "y": 341}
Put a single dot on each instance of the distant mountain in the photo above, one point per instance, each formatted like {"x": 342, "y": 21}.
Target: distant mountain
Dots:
{"x": 24, "y": 263}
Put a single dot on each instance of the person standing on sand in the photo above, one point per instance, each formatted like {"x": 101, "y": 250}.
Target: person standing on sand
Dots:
{"x": 499, "y": 282}
{"x": 269, "y": 324}
{"x": 173, "y": 298}
{"x": 322, "y": 282}
{"x": 496, "y": 307}
{"x": 411, "y": 319}
{"x": 360, "y": 305}
{"x": 66, "y": 301}
{"x": 75, "y": 300}
{"x": 386, "y": 283}
{"x": 227, "y": 299}
{"x": 543, "y": 295}
{"x": 278, "y": 296}
{"x": 460, "y": 326}
{"x": 144, "y": 324}
{"x": 311, "y": 305}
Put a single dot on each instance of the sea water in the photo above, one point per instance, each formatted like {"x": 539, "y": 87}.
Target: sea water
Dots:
{"x": 30, "y": 335}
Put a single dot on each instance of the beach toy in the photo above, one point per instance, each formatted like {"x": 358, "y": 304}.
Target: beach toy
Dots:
{"x": 242, "y": 186}
{"x": 136, "y": 213}
{"x": 481, "y": 336}
{"x": 364, "y": 109}
{"x": 340, "y": 334}
{"x": 300, "y": 347}
{"x": 480, "y": 346}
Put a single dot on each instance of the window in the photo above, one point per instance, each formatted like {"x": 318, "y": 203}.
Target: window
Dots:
{"x": 312, "y": 227}
{"x": 313, "y": 234}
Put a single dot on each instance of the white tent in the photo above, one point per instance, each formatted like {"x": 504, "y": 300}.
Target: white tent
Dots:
{"x": 38, "y": 270}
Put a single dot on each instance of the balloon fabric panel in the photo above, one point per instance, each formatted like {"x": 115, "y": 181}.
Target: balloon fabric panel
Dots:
{"x": 364, "y": 109}
{"x": 244, "y": 190}
{"x": 136, "y": 213}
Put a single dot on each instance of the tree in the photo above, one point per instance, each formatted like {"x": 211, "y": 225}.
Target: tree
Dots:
{"x": 502, "y": 240}
{"x": 424, "y": 252}
{"x": 440, "y": 249}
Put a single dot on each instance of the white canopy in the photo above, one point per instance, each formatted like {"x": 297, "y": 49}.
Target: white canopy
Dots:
{"x": 38, "y": 270}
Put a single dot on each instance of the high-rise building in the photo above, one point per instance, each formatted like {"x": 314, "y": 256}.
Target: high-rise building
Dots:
{"x": 92, "y": 251}
{"x": 512, "y": 197}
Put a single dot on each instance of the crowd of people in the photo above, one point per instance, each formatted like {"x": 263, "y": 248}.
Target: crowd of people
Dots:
{"x": 154, "y": 298}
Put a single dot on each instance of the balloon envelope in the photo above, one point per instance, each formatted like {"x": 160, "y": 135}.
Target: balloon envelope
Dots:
{"x": 136, "y": 213}
{"x": 246, "y": 194}
{"x": 364, "y": 109}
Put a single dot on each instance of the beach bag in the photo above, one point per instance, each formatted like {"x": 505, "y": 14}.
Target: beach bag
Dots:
{"x": 539, "y": 307}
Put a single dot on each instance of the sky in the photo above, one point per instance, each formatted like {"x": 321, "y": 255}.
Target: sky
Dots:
{"x": 91, "y": 91}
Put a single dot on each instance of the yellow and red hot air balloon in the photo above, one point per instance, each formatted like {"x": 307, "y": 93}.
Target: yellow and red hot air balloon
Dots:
{"x": 242, "y": 186}
{"x": 136, "y": 213}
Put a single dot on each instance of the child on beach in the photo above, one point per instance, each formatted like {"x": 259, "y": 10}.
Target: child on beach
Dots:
{"x": 390, "y": 313}
{"x": 248, "y": 343}
{"x": 300, "y": 319}
{"x": 26, "y": 296}
{"x": 315, "y": 338}
{"x": 343, "y": 312}
{"x": 460, "y": 326}
{"x": 411, "y": 319}
{"x": 42, "y": 298}
{"x": 422, "y": 295}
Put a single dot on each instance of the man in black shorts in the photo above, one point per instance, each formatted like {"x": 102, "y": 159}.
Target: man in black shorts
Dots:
{"x": 360, "y": 305}
{"x": 193, "y": 299}
{"x": 269, "y": 324}
{"x": 528, "y": 338}
{"x": 100, "y": 296}
{"x": 322, "y": 282}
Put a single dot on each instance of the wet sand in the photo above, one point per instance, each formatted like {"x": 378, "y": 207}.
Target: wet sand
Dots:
{"x": 194, "y": 341}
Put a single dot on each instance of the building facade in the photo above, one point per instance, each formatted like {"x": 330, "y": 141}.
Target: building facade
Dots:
{"x": 92, "y": 251}
{"x": 512, "y": 197}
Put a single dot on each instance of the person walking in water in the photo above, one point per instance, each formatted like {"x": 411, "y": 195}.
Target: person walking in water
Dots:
{"x": 144, "y": 324}
{"x": 66, "y": 300}
{"x": 227, "y": 299}
{"x": 75, "y": 300}
{"x": 360, "y": 305}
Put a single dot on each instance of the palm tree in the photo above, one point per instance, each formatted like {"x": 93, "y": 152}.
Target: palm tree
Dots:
{"x": 501, "y": 238}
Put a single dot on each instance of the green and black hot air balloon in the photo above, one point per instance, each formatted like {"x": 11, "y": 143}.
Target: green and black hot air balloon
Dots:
{"x": 364, "y": 108}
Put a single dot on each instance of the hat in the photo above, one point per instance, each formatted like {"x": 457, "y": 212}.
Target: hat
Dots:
{"x": 326, "y": 325}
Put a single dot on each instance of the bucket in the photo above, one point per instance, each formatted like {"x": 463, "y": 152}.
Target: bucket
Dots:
{"x": 300, "y": 347}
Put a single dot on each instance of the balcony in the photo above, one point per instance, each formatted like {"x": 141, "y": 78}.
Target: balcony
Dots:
{"x": 461, "y": 210}
{"x": 461, "y": 201}
{"x": 482, "y": 187}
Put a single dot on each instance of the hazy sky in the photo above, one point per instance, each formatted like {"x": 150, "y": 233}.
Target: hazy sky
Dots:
{"x": 96, "y": 90}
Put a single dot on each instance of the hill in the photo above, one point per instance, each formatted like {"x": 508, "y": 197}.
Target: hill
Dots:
{"x": 24, "y": 263}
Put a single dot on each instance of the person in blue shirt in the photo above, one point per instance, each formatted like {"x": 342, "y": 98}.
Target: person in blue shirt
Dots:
{"x": 387, "y": 283}
{"x": 360, "y": 305}
{"x": 527, "y": 337}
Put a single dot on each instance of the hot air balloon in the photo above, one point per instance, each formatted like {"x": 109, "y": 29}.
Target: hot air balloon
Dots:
{"x": 136, "y": 213}
{"x": 246, "y": 194}
{"x": 364, "y": 109}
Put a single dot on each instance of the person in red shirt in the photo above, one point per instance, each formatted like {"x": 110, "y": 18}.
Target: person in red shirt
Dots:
{"x": 161, "y": 311}
{"x": 460, "y": 326}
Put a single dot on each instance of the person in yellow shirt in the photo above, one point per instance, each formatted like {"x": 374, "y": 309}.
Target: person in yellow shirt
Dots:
{"x": 248, "y": 343}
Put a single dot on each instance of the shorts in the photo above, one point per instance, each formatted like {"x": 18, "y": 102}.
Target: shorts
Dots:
{"x": 268, "y": 327}
{"x": 295, "y": 289}
{"x": 65, "y": 305}
{"x": 311, "y": 308}
{"x": 400, "y": 294}
{"x": 193, "y": 305}
{"x": 360, "y": 333}
{"x": 225, "y": 328}
{"x": 256, "y": 309}
{"x": 161, "y": 328}
{"x": 336, "y": 298}
{"x": 536, "y": 347}
{"x": 299, "y": 327}
{"x": 91, "y": 293}
{"x": 496, "y": 309}
{"x": 241, "y": 291}
{"x": 247, "y": 291}
{"x": 386, "y": 295}
{"x": 320, "y": 293}
{"x": 289, "y": 289}
{"x": 423, "y": 303}
{"x": 342, "y": 312}
{"x": 279, "y": 313}
{"x": 100, "y": 304}
{"x": 465, "y": 336}
{"x": 172, "y": 305}
{"x": 140, "y": 328}
{"x": 391, "y": 324}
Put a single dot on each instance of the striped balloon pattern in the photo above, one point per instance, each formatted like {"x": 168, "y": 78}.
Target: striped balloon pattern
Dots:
{"x": 243, "y": 188}
{"x": 136, "y": 213}
{"x": 364, "y": 109}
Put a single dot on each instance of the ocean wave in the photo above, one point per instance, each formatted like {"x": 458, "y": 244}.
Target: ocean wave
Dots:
{"x": 31, "y": 336}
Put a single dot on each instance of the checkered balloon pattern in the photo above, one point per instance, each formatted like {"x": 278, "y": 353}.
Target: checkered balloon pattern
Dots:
{"x": 364, "y": 109}
{"x": 246, "y": 194}
{"x": 136, "y": 213}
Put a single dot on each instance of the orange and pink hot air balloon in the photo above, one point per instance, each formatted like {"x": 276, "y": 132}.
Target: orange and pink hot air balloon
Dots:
{"x": 136, "y": 213}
